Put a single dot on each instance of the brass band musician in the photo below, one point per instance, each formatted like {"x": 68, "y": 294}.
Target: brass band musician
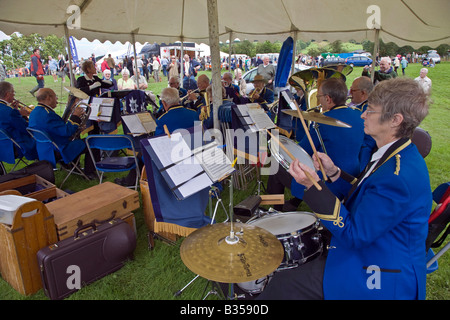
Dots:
{"x": 261, "y": 94}
{"x": 13, "y": 120}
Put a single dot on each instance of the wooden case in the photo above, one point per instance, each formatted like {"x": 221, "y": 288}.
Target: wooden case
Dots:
{"x": 96, "y": 204}
{"x": 19, "y": 244}
{"x": 32, "y": 186}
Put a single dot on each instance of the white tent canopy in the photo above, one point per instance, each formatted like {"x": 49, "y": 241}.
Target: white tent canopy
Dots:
{"x": 405, "y": 22}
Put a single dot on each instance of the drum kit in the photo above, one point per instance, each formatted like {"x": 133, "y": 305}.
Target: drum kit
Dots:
{"x": 249, "y": 254}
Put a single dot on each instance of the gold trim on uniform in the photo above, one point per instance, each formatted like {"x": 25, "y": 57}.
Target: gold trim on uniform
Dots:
{"x": 335, "y": 217}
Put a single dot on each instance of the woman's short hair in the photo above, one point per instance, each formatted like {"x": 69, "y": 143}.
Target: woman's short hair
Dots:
{"x": 125, "y": 71}
{"x": 86, "y": 65}
{"x": 401, "y": 96}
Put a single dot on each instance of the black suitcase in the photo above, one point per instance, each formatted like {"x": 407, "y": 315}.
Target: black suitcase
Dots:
{"x": 93, "y": 252}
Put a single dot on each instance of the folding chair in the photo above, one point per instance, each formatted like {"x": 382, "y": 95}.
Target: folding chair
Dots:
{"x": 108, "y": 163}
{"x": 438, "y": 221}
{"x": 7, "y": 155}
{"x": 46, "y": 151}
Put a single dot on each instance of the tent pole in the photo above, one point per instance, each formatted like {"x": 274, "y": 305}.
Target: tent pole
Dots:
{"x": 71, "y": 75}
{"x": 230, "y": 49}
{"x": 375, "y": 50}
{"x": 182, "y": 64}
{"x": 213, "y": 22}
{"x": 136, "y": 78}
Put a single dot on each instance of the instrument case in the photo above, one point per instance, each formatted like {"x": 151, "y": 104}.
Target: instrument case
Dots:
{"x": 96, "y": 204}
{"x": 92, "y": 253}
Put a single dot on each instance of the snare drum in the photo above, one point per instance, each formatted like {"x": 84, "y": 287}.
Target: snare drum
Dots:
{"x": 299, "y": 234}
{"x": 283, "y": 158}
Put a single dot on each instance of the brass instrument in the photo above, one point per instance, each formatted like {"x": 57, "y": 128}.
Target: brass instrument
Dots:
{"x": 84, "y": 118}
{"x": 255, "y": 91}
{"x": 29, "y": 107}
{"x": 273, "y": 105}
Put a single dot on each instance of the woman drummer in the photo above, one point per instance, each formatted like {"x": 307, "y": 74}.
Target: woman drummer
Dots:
{"x": 377, "y": 249}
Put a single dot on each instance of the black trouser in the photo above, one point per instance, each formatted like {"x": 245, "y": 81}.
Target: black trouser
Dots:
{"x": 302, "y": 283}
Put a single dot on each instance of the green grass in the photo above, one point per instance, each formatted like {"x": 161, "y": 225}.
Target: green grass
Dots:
{"x": 159, "y": 273}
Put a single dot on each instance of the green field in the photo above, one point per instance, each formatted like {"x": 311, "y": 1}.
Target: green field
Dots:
{"x": 157, "y": 274}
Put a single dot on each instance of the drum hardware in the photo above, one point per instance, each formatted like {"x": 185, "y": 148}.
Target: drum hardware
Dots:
{"x": 308, "y": 175}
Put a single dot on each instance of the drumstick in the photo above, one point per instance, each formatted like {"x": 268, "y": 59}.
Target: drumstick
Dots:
{"x": 293, "y": 158}
{"x": 302, "y": 120}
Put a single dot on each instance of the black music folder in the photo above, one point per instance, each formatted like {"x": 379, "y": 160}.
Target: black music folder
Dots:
{"x": 188, "y": 171}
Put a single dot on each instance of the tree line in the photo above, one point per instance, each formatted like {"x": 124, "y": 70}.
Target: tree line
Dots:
{"x": 16, "y": 52}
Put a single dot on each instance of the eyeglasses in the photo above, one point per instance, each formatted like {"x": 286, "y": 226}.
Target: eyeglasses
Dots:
{"x": 372, "y": 111}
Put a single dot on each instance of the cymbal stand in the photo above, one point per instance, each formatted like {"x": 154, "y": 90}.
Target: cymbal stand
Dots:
{"x": 316, "y": 128}
{"x": 219, "y": 200}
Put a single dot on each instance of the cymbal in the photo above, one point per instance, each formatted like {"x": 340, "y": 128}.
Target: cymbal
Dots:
{"x": 317, "y": 117}
{"x": 77, "y": 93}
{"x": 210, "y": 253}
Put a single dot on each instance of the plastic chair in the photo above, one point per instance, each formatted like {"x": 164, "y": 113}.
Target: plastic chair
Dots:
{"x": 7, "y": 155}
{"x": 108, "y": 163}
{"x": 45, "y": 147}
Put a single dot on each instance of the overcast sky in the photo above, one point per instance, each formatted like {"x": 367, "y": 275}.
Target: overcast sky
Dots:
{"x": 86, "y": 48}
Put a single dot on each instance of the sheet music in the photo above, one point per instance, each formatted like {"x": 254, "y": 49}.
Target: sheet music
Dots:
{"x": 170, "y": 150}
{"x": 194, "y": 185}
{"x": 147, "y": 121}
{"x": 214, "y": 161}
{"x": 255, "y": 117}
{"x": 101, "y": 109}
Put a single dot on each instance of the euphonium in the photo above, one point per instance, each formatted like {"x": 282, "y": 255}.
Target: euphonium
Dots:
{"x": 84, "y": 118}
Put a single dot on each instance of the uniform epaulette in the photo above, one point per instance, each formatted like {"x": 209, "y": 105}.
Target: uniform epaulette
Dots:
{"x": 397, "y": 164}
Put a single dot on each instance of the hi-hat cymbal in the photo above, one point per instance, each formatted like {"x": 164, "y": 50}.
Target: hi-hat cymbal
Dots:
{"x": 77, "y": 93}
{"x": 317, "y": 117}
{"x": 210, "y": 253}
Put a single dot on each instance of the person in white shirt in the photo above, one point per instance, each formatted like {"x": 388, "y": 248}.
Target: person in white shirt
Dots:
{"x": 156, "y": 66}
{"x": 423, "y": 80}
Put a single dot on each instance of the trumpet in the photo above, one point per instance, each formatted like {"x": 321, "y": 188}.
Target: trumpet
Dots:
{"x": 20, "y": 103}
{"x": 187, "y": 95}
{"x": 255, "y": 91}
